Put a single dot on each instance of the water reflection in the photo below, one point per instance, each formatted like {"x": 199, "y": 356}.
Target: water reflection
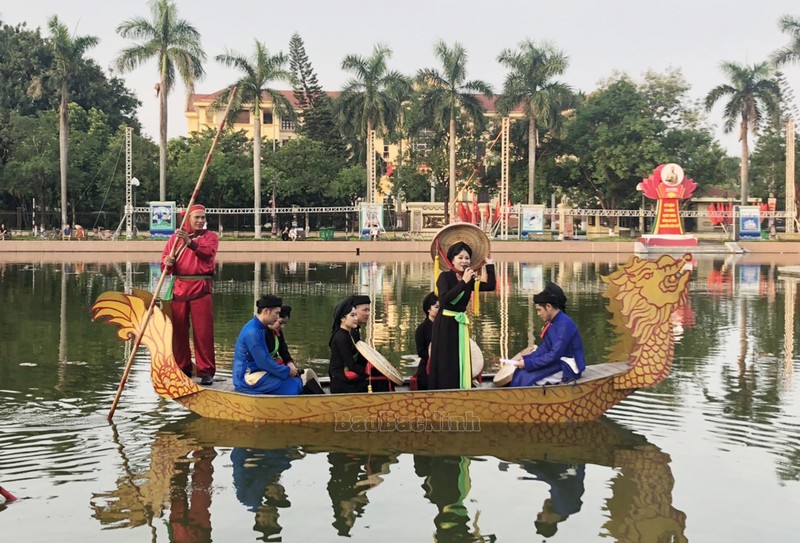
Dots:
{"x": 257, "y": 480}
{"x": 352, "y": 475}
{"x": 736, "y": 403}
{"x": 185, "y": 474}
{"x": 565, "y": 482}
{"x": 447, "y": 485}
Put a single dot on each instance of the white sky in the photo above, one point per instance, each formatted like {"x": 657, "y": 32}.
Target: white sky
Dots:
{"x": 599, "y": 37}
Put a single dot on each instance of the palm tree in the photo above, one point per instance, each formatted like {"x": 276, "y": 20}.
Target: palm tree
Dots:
{"x": 175, "y": 44}
{"x": 447, "y": 94}
{"x": 68, "y": 51}
{"x": 791, "y": 52}
{"x": 530, "y": 84}
{"x": 752, "y": 92}
{"x": 371, "y": 100}
{"x": 257, "y": 72}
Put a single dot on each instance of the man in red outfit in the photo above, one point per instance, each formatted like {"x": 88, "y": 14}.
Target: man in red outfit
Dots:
{"x": 192, "y": 269}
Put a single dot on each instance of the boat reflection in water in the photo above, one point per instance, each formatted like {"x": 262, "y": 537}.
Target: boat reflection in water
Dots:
{"x": 179, "y": 484}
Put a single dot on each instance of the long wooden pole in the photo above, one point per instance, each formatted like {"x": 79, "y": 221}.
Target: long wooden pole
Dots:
{"x": 149, "y": 313}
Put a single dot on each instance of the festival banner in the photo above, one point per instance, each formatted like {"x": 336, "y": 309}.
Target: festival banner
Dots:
{"x": 370, "y": 216}
{"x": 162, "y": 219}
{"x": 532, "y": 220}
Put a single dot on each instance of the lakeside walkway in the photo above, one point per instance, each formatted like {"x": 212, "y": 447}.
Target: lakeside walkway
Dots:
{"x": 384, "y": 251}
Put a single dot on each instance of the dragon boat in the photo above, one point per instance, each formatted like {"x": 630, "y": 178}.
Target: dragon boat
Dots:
{"x": 642, "y": 294}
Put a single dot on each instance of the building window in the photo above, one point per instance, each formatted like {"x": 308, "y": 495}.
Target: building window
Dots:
{"x": 385, "y": 152}
{"x": 287, "y": 125}
{"x": 209, "y": 115}
{"x": 266, "y": 116}
{"x": 242, "y": 117}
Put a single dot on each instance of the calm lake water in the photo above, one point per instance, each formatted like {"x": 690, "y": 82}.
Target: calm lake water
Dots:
{"x": 711, "y": 454}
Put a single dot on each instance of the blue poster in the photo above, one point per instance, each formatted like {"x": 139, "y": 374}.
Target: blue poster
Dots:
{"x": 749, "y": 222}
{"x": 162, "y": 219}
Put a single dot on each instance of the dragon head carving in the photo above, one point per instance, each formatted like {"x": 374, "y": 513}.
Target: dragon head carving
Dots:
{"x": 642, "y": 295}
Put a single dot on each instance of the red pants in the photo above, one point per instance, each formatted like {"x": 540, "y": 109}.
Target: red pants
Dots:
{"x": 201, "y": 312}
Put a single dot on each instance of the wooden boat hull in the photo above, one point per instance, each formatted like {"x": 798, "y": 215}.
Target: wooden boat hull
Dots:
{"x": 415, "y": 411}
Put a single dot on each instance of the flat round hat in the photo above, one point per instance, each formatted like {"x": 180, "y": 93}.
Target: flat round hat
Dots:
{"x": 504, "y": 375}
{"x": 379, "y": 362}
{"x": 470, "y": 234}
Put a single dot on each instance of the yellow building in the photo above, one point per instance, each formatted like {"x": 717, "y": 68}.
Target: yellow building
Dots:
{"x": 200, "y": 115}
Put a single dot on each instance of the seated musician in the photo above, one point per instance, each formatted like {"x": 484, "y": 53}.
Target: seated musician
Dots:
{"x": 254, "y": 369}
{"x": 560, "y": 356}
{"x": 279, "y": 351}
{"x": 348, "y": 370}
{"x": 276, "y": 341}
{"x": 422, "y": 337}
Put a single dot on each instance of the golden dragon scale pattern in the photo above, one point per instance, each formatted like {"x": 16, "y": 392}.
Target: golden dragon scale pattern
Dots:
{"x": 646, "y": 293}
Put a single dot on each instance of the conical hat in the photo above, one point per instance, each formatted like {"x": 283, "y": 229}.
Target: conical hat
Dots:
{"x": 476, "y": 357}
{"x": 470, "y": 234}
{"x": 379, "y": 362}
{"x": 504, "y": 375}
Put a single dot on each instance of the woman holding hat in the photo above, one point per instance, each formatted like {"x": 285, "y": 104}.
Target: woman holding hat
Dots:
{"x": 561, "y": 350}
{"x": 254, "y": 370}
{"x": 192, "y": 269}
{"x": 449, "y": 364}
{"x": 347, "y": 369}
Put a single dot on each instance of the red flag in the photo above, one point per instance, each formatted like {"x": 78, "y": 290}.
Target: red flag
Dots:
{"x": 476, "y": 211}
{"x": 389, "y": 169}
{"x": 462, "y": 212}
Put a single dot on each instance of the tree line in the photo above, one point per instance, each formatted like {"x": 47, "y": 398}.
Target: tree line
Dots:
{"x": 62, "y": 122}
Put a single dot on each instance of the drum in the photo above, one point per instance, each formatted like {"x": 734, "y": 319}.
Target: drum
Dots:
{"x": 379, "y": 362}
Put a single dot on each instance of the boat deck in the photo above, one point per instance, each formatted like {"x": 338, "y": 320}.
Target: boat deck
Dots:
{"x": 594, "y": 372}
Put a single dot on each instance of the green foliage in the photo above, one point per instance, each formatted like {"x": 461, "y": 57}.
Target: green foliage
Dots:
{"x": 257, "y": 72}
{"x": 306, "y": 170}
{"x": 172, "y": 41}
{"x": 768, "y": 167}
{"x": 348, "y": 186}
{"x": 317, "y": 118}
{"x": 530, "y": 83}
{"x": 228, "y": 181}
{"x": 175, "y": 45}
{"x": 617, "y": 142}
{"x": 96, "y": 163}
{"x": 371, "y": 99}
{"x": 754, "y": 102}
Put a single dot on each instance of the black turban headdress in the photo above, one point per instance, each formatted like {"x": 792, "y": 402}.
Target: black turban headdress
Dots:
{"x": 268, "y": 301}
{"x": 553, "y": 295}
